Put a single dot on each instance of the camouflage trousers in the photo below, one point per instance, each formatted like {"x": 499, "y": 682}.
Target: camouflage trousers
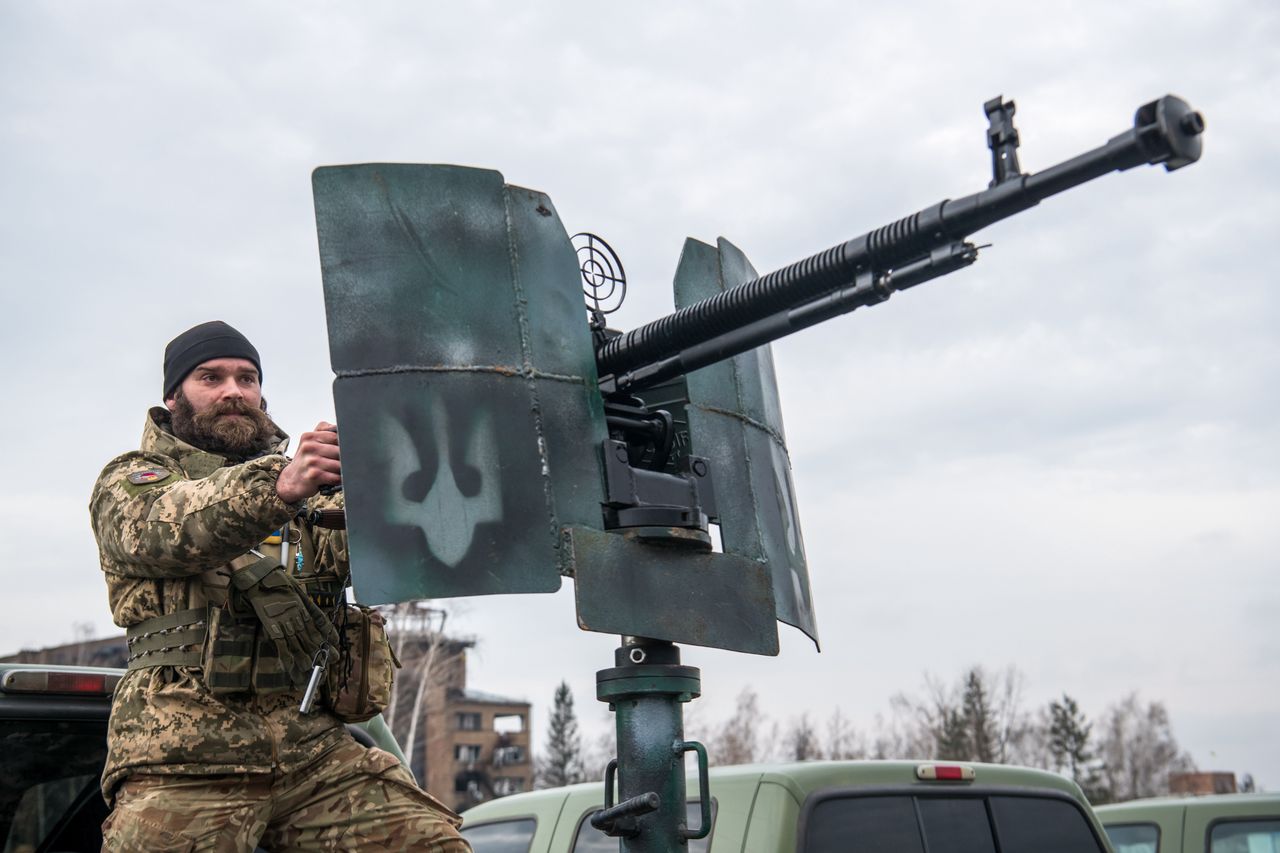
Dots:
{"x": 351, "y": 798}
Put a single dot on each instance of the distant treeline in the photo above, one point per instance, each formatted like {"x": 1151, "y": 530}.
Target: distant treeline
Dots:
{"x": 1126, "y": 753}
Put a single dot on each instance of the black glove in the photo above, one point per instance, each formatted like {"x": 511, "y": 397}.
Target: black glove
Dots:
{"x": 290, "y": 618}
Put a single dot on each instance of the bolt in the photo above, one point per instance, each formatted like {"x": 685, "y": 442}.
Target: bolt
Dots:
{"x": 637, "y": 655}
{"x": 620, "y": 451}
{"x": 1192, "y": 123}
{"x": 700, "y": 467}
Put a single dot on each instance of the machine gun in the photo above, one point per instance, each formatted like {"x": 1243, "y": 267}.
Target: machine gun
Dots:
{"x": 494, "y": 443}
{"x": 868, "y": 269}
{"x": 863, "y": 271}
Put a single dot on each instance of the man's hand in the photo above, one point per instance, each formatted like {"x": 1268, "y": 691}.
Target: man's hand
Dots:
{"x": 317, "y": 463}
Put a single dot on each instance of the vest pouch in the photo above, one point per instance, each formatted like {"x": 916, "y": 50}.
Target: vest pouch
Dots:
{"x": 228, "y": 653}
{"x": 358, "y": 685}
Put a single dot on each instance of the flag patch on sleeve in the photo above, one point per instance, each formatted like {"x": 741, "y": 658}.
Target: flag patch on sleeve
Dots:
{"x": 148, "y": 476}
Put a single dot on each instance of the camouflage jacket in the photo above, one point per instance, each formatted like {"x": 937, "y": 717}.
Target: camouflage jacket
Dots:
{"x": 168, "y": 519}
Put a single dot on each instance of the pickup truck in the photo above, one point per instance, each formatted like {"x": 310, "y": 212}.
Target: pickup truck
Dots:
{"x": 825, "y": 807}
{"x": 1219, "y": 823}
{"x": 53, "y": 742}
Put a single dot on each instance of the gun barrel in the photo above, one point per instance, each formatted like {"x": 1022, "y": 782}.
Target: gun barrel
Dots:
{"x": 861, "y": 271}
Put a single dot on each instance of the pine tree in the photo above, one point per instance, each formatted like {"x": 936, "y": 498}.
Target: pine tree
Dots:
{"x": 979, "y": 718}
{"x": 562, "y": 762}
{"x": 1069, "y": 736}
{"x": 951, "y": 737}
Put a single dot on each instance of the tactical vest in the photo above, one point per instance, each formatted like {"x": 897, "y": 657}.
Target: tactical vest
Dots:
{"x": 224, "y": 638}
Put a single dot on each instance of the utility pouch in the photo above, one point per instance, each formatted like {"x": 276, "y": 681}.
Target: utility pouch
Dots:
{"x": 228, "y": 653}
{"x": 359, "y": 683}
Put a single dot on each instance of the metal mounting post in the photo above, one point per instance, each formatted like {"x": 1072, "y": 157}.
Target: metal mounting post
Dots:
{"x": 645, "y": 691}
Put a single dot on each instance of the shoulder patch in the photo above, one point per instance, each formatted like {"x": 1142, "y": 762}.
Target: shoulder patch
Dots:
{"x": 149, "y": 476}
{"x": 142, "y": 481}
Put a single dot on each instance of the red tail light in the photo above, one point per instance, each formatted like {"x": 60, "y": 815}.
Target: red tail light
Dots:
{"x": 944, "y": 773}
{"x": 55, "y": 681}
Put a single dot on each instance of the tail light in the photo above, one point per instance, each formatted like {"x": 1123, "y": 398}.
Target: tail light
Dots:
{"x": 944, "y": 773}
{"x": 59, "y": 681}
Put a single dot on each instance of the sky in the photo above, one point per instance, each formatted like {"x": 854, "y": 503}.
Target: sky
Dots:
{"x": 1063, "y": 459}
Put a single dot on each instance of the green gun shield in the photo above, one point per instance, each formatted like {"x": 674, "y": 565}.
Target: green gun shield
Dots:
{"x": 466, "y": 382}
{"x": 472, "y": 423}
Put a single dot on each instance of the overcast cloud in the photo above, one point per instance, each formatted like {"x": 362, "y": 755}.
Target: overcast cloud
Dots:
{"x": 1064, "y": 459}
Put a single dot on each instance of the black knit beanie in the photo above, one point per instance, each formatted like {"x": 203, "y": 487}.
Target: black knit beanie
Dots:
{"x": 197, "y": 345}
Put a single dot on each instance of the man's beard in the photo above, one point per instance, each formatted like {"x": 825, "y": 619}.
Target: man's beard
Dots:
{"x": 208, "y": 430}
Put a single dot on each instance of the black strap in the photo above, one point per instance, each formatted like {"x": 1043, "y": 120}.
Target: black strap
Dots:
{"x": 252, "y": 574}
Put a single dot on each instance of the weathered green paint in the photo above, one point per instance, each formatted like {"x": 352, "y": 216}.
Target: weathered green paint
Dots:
{"x": 758, "y": 806}
{"x": 471, "y": 419}
{"x": 647, "y": 698}
{"x": 1185, "y": 824}
{"x": 685, "y": 596}
{"x": 466, "y": 391}
{"x": 735, "y": 420}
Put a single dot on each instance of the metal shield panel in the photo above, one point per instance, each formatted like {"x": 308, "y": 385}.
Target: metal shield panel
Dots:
{"x": 719, "y": 600}
{"x": 466, "y": 385}
{"x": 563, "y": 362}
{"x": 417, "y": 267}
{"x": 735, "y": 417}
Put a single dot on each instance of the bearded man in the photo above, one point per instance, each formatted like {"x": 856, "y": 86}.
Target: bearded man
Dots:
{"x": 229, "y": 596}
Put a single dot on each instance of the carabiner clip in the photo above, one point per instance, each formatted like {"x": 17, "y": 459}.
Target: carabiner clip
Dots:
{"x": 318, "y": 664}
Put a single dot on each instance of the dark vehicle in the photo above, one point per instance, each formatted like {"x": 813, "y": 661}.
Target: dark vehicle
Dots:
{"x": 53, "y": 743}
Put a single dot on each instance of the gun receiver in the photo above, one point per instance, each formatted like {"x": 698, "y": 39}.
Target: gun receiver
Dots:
{"x": 869, "y": 269}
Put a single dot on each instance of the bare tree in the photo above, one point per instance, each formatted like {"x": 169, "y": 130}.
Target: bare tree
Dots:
{"x": 598, "y": 751}
{"x": 737, "y": 741}
{"x": 81, "y": 634}
{"x": 926, "y": 726}
{"x": 696, "y": 723}
{"x": 801, "y": 740}
{"x": 895, "y": 737}
{"x": 842, "y": 740}
{"x": 1139, "y": 750}
{"x": 771, "y": 746}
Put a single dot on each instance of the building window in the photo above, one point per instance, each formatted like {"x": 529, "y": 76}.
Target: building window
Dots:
{"x": 505, "y": 724}
{"x": 466, "y": 752}
{"x": 504, "y": 785}
{"x": 469, "y": 721}
{"x": 504, "y": 755}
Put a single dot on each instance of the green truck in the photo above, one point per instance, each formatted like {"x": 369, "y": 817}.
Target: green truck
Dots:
{"x": 1220, "y": 823}
{"x": 825, "y": 807}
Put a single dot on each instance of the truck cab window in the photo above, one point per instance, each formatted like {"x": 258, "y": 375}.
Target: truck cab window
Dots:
{"x": 504, "y": 836}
